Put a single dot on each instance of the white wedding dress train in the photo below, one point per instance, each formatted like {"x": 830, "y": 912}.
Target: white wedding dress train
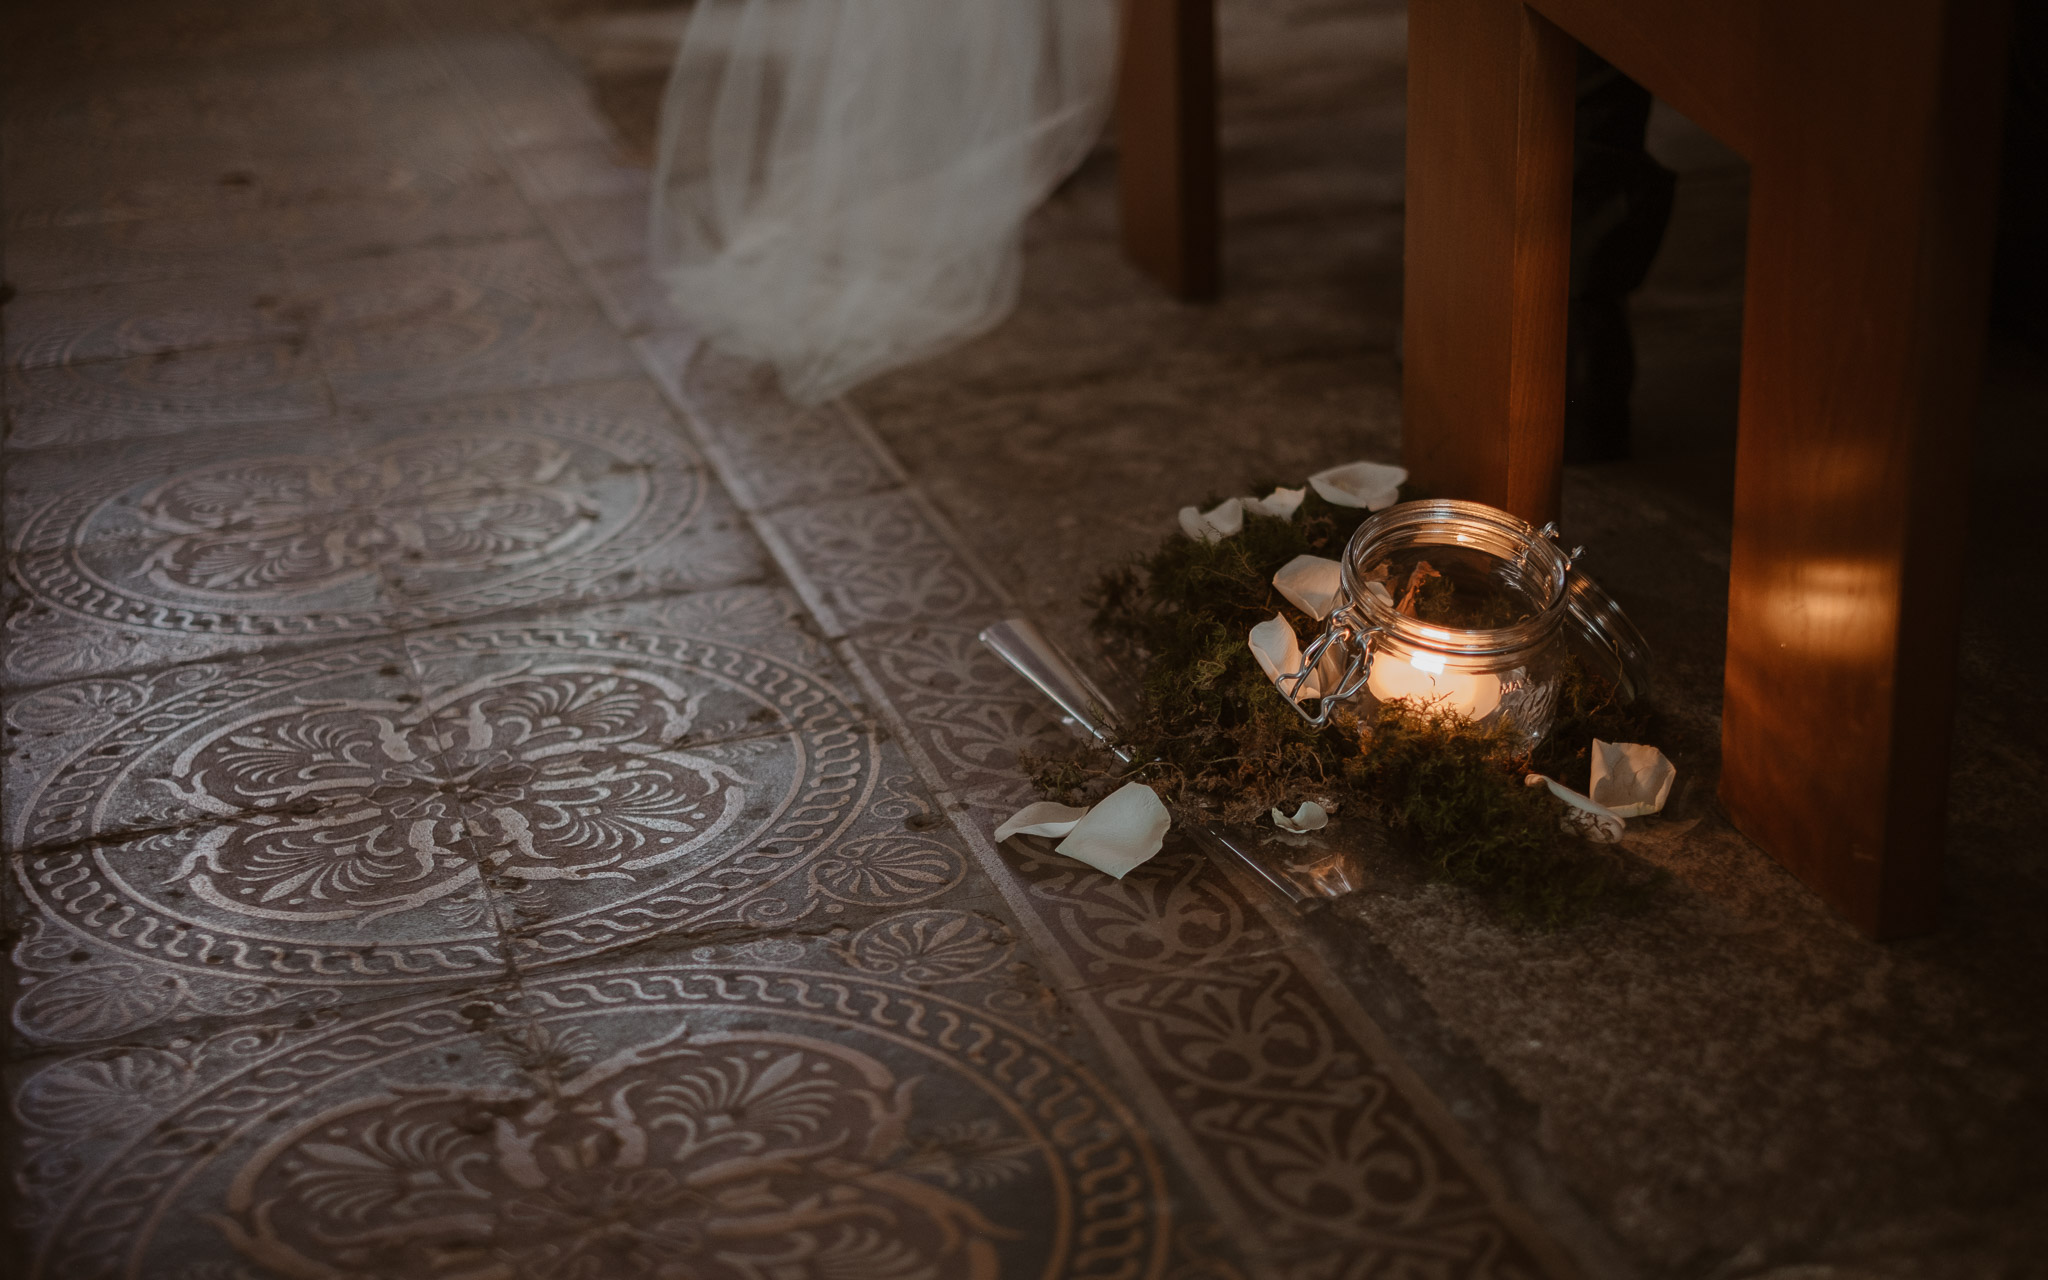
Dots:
{"x": 841, "y": 185}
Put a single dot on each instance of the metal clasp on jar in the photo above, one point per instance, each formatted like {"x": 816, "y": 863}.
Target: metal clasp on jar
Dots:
{"x": 1345, "y": 629}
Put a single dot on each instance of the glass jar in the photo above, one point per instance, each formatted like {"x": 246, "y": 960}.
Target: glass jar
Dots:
{"x": 1501, "y": 606}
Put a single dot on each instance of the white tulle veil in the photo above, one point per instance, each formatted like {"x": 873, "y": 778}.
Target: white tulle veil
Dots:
{"x": 842, "y": 184}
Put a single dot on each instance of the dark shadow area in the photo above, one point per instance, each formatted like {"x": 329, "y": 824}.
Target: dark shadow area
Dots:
{"x": 1687, "y": 322}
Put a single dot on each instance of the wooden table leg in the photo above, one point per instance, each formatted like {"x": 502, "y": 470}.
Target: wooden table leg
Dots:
{"x": 1869, "y": 244}
{"x": 1489, "y": 214}
{"x": 1166, "y": 144}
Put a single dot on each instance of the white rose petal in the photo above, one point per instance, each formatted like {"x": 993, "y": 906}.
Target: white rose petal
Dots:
{"x": 1215, "y": 524}
{"x": 1630, "y": 778}
{"x": 1311, "y": 583}
{"x": 1374, "y": 486}
{"x": 1309, "y": 817}
{"x": 1595, "y": 822}
{"x": 1281, "y": 503}
{"x": 1115, "y": 836}
{"x": 1041, "y": 819}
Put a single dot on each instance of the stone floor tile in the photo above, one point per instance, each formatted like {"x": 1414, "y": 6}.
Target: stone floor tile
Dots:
{"x": 46, "y": 642}
{"x": 121, "y": 112}
{"x": 758, "y": 622}
{"x": 877, "y": 559}
{"x": 448, "y": 284}
{"x": 970, "y": 718}
{"x": 383, "y": 78}
{"x": 368, "y": 897}
{"x": 707, "y": 546}
{"x": 157, "y": 522}
{"x": 531, "y": 96}
{"x": 111, "y": 1121}
{"x": 637, "y": 301}
{"x": 166, "y": 394}
{"x": 1214, "y": 1039}
{"x": 70, "y": 257}
{"x": 419, "y": 132}
{"x": 479, "y": 350}
{"x": 580, "y": 171}
{"x": 122, "y": 320}
{"x": 439, "y": 323}
{"x": 1178, "y": 911}
{"x": 376, "y": 223}
{"x": 563, "y": 885}
{"x": 969, "y": 713}
{"x": 828, "y": 828}
{"x": 530, "y": 1124}
{"x": 766, "y": 618}
{"x": 603, "y": 230}
{"x": 292, "y": 178}
{"x": 201, "y": 742}
{"x": 71, "y": 496}
{"x": 777, "y": 453}
{"x": 645, "y": 768}
{"x": 404, "y": 519}
{"x": 117, "y": 184}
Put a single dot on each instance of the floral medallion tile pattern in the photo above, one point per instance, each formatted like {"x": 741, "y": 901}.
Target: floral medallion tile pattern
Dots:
{"x": 488, "y": 796}
{"x": 732, "y": 1116}
{"x": 226, "y": 541}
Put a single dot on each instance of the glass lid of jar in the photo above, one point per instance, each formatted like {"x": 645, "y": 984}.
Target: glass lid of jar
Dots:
{"x": 1603, "y": 633}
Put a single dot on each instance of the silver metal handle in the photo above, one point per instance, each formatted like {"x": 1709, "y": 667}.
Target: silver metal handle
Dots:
{"x": 1550, "y": 531}
{"x": 1341, "y": 627}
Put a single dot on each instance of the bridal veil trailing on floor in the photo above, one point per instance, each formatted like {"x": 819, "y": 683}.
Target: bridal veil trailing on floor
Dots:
{"x": 842, "y": 184}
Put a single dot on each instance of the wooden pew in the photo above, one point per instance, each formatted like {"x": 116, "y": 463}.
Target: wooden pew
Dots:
{"x": 1871, "y": 128}
{"x": 1872, "y": 133}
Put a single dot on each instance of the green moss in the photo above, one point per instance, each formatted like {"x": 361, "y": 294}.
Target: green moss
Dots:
{"x": 1454, "y": 797}
{"x": 1222, "y": 742}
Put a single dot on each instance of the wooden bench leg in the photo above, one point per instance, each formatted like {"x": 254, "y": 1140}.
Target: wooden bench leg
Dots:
{"x": 1869, "y": 244}
{"x": 1488, "y": 269}
{"x": 1166, "y": 144}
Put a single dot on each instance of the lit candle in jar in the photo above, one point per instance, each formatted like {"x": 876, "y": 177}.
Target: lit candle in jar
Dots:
{"x": 1425, "y": 679}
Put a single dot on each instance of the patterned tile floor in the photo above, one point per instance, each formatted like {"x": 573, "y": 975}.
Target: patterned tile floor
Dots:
{"x": 494, "y": 791}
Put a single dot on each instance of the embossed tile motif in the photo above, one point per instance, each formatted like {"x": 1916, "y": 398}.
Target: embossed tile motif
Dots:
{"x": 1311, "y": 1130}
{"x": 437, "y": 842}
{"x": 625, "y": 782}
{"x": 970, "y": 717}
{"x": 167, "y": 749}
{"x": 721, "y": 1115}
{"x": 438, "y": 323}
{"x": 878, "y": 559}
{"x": 781, "y": 454}
{"x": 222, "y": 541}
{"x": 139, "y": 939}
